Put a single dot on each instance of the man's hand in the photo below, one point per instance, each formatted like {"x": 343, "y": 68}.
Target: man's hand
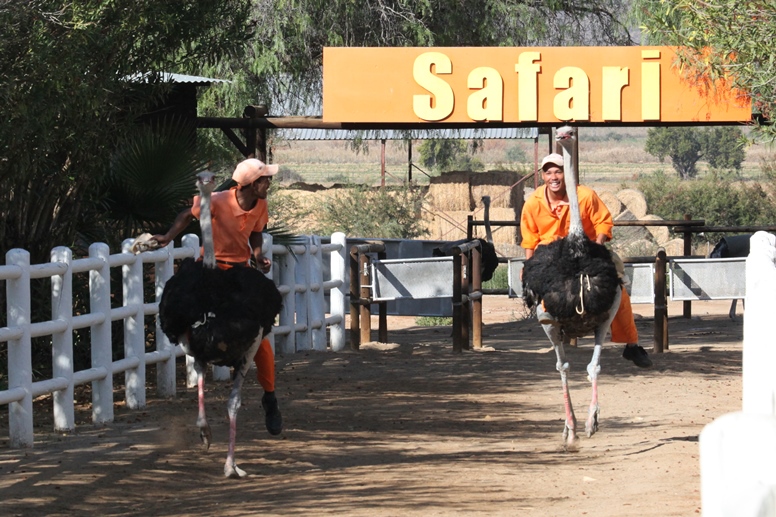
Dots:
{"x": 263, "y": 264}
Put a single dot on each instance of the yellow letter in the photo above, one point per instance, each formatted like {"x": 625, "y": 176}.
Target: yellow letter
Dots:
{"x": 574, "y": 102}
{"x": 613, "y": 78}
{"x": 439, "y": 105}
{"x": 650, "y": 86}
{"x": 527, "y": 96}
{"x": 486, "y": 103}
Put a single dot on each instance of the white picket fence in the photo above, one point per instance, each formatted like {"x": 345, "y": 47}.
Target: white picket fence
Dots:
{"x": 298, "y": 270}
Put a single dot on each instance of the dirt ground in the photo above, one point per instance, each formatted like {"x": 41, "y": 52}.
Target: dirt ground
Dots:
{"x": 409, "y": 428}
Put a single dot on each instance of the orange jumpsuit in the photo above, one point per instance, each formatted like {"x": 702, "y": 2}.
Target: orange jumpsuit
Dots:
{"x": 539, "y": 224}
{"x": 232, "y": 227}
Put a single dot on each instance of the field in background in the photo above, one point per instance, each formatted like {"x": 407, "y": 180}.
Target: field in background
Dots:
{"x": 607, "y": 156}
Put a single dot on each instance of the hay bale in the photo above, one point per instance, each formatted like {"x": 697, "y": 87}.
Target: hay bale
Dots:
{"x": 448, "y": 197}
{"x": 448, "y": 225}
{"x": 637, "y": 248}
{"x": 660, "y": 234}
{"x": 633, "y": 201}
{"x": 626, "y": 234}
{"x": 612, "y": 203}
{"x": 501, "y": 234}
{"x": 501, "y": 196}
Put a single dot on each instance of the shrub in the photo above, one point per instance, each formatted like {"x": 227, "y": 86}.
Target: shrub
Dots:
{"x": 363, "y": 211}
{"x": 717, "y": 199}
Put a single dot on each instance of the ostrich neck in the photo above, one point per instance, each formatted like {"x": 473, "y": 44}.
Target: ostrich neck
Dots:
{"x": 486, "y": 215}
{"x": 570, "y": 177}
{"x": 206, "y": 224}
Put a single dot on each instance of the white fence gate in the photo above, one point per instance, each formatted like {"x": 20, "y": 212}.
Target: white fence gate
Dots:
{"x": 298, "y": 270}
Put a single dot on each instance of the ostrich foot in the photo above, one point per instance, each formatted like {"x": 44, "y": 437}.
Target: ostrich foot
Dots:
{"x": 205, "y": 435}
{"x": 570, "y": 438}
{"x": 591, "y": 425}
{"x": 232, "y": 471}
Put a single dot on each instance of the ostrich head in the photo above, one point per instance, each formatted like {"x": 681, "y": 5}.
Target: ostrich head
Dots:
{"x": 206, "y": 182}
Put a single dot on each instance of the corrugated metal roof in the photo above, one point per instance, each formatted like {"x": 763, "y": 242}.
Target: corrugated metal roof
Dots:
{"x": 431, "y": 134}
{"x": 176, "y": 78}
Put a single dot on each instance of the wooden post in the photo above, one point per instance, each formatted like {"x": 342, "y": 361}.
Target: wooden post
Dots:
{"x": 355, "y": 326}
{"x": 687, "y": 304}
{"x": 382, "y": 326}
{"x": 382, "y": 162}
{"x": 661, "y": 304}
{"x": 365, "y": 306}
{"x": 465, "y": 305}
{"x": 409, "y": 160}
{"x": 476, "y": 303}
{"x": 457, "y": 320}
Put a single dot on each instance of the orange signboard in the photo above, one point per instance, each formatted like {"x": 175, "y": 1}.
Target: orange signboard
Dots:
{"x": 518, "y": 85}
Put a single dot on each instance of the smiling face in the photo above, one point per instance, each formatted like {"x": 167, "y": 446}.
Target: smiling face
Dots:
{"x": 554, "y": 179}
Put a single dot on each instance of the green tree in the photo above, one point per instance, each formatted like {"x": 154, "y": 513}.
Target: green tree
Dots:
{"x": 283, "y": 63}
{"x": 720, "y": 39}
{"x": 723, "y": 147}
{"x": 449, "y": 154}
{"x": 719, "y": 199}
{"x": 683, "y": 145}
{"x": 68, "y": 105}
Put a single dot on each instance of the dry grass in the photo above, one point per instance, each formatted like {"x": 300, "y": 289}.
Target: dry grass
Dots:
{"x": 607, "y": 156}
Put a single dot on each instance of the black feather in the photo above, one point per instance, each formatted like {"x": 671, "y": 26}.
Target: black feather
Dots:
{"x": 553, "y": 276}
{"x": 220, "y": 311}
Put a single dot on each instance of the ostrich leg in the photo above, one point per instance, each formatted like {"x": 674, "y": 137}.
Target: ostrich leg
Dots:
{"x": 594, "y": 368}
{"x": 570, "y": 427}
{"x": 204, "y": 428}
{"x": 231, "y": 470}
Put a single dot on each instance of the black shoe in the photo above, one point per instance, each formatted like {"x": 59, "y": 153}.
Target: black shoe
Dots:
{"x": 273, "y": 419}
{"x": 638, "y": 355}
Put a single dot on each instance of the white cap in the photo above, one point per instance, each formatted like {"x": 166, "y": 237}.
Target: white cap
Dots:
{"x": 554, "y": 159}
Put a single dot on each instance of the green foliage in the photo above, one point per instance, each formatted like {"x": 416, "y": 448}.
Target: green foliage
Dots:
{"x": 718, "y": 199}
{"x": 515, "y": 153}
{"x": 283, "y": 63}
{"x": 363, "y": 211}
{"x": 433, "y": 321}
{"x": 720, "y": 40}
{"x": 67, "y": 103}
{"x": 724, "y": 147}
{"x": 500, "y": 278}
{"x": 721, "y": 147}
{"x": 450, "y": 155}
{"x": 151, "y": 178}
{"x": 682, "y": 145}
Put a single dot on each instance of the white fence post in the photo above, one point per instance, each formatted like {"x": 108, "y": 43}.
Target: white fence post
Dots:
{"x": 302, "y": 288}
{"x": 337, "y": 299}
{"x": 316, "y": 302}
{"x": 165, "y": 370}
{"x": 266, "y": 250}
{"x": 102, "y": 356}
{"x": 287, "y": 276}
{"x": 62, "y": 342}
{"x": 134, "y": 329}
{"x": 20, "y": 350}
{"x": 738, "y": 450}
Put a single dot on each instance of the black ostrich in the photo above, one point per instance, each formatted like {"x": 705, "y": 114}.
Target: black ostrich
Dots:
{"x": 489, "y": 259}
{"x": 219, "y": 317}
{"x": 575, "y": 287}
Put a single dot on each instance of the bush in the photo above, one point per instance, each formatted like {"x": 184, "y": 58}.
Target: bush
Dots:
{"x": 717, "y": 199}
{"x": 363, "y": 211}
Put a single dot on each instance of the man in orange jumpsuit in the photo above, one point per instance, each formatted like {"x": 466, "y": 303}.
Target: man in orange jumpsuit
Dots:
{"x": 545, "y": 217}
{"x": 239, "y": 216}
